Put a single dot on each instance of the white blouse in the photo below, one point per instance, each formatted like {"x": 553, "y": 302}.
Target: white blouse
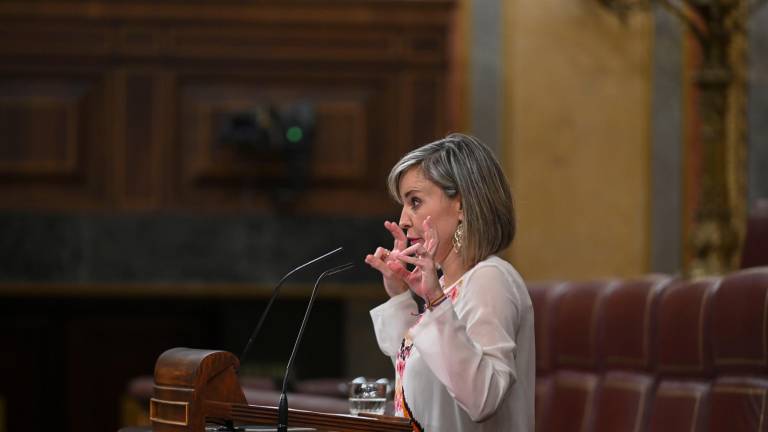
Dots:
{"x": 469, "y": 364}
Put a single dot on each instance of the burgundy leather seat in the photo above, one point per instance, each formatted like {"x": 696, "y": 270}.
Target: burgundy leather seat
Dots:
{"x": 544, "y": 296}
{"x": 755, "y": 251}
{"x": 739, "y": 396}
{"x": 576, "y": 335}
{"x": 628, "y": 354}
{"x": 684, "y": 359}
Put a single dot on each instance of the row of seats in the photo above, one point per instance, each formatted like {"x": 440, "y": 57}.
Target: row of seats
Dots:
{"x": 653, "y": 354}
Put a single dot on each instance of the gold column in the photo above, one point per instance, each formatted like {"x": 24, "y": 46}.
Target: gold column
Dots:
{"x": 715, "y": 235}
{"x": 717, "y": 230}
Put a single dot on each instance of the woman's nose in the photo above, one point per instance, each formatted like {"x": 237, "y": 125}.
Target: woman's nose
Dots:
{"x": 405, "y": 221}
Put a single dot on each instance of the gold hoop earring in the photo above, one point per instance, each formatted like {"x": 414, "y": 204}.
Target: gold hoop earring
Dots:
{"x": 458, "y": 238}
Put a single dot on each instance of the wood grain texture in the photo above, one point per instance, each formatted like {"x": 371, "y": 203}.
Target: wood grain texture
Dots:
{"x": 130, "y": 94}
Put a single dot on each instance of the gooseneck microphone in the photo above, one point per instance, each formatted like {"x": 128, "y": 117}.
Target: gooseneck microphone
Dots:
{"x": 274, "y": 295}
{"x": 282, "y": 409}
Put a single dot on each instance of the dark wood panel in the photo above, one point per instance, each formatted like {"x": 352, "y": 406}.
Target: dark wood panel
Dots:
{"x": 51, "y": 130}
{"x": 274, "y": 41}
{"x": 374, "y": 31}
{"x": 136, "y": 93}
{"x": 341, "y": 138}
{"x": 339, "y": 149}
{"x": 138, "y": 137}
{"x": 418, "y": 14}
{"x": 55, "y": 38}
{"x": 427, "y": 91}
{"x": 354, "y": 145}
{"x": 39, "y": 125}
{"x": 280, "y": 42}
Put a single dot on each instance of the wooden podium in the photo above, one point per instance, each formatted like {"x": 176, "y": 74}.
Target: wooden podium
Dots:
{"x": 194, "y": 387}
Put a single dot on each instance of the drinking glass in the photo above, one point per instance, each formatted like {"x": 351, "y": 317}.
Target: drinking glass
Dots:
{"x": 368, "y": 396}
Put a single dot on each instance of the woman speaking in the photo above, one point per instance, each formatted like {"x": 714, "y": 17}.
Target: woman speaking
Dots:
{"x": 464, "y": 361}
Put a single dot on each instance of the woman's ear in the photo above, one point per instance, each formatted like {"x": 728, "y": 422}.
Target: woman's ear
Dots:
{"x": 458, "y": 206}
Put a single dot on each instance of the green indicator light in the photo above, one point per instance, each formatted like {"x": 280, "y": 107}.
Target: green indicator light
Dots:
{"x": 294, "y": 134}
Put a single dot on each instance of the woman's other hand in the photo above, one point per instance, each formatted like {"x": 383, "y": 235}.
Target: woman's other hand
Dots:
{"x": 387, "y": 264}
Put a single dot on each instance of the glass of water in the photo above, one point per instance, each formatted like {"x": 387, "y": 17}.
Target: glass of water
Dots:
{"x": 368, "y": 396}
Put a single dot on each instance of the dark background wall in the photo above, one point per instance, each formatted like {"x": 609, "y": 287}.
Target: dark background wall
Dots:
{"x": 142, "y": 208}
{"x": 176, "y": 248}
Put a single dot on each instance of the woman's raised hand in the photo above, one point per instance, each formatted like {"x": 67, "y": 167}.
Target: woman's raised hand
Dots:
{"x": 387, "y": 264}
{"x": 423, "y": 279}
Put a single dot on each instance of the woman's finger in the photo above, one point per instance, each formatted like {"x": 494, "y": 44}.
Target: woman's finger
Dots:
{"x": 420, "y": 261}
{"x": 397, "y": 269}
{"x": 417, "y": 249}
{"x": 377, "y": 263}
{"x": 381, "y": 253}
{"x": 425, "y": 250}
{"x": 397, "y": 233}
{"x": 432, "y": 247}
{"x": 429, "y": 228}
{"x": 409, "y": 259}
{"x": 430, "y": 235}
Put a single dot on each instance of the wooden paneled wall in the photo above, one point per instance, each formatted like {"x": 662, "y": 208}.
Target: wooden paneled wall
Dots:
{"x": 113, "y": 105}
{"x": 110, "y": 111}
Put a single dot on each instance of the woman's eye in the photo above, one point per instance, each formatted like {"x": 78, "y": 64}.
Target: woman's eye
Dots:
{"x": 415, "y": 202}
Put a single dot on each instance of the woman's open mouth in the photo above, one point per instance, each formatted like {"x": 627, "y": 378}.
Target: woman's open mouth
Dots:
{"x": 415, "y": 240}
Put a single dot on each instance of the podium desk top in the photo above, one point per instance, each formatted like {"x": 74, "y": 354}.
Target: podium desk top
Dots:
{"x": 252, "y": 428}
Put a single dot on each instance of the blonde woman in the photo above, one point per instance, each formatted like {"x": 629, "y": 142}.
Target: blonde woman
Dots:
{"x": 465, "y": 361}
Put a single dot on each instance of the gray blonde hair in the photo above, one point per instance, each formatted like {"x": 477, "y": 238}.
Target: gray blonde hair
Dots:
{"x": 462, "y": 165}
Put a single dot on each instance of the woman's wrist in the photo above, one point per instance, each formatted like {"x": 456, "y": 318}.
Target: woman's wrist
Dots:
{"x": 434, "y": 301}
{"x": 394, "y": 288}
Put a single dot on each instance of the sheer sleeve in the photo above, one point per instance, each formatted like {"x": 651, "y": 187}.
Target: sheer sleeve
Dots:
{"x": 474, "y": 355}
{"x": 391, "y": 320}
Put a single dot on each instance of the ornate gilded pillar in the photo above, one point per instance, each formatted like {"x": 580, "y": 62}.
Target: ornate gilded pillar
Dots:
{"x": 713, "y": 239}
{"x": 715, "y": 233}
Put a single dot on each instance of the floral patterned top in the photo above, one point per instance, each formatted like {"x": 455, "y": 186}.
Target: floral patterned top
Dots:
{"x": 401, "y": 406}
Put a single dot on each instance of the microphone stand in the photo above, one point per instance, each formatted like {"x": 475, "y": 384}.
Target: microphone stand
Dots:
{"x": 274, "y": 295}
{"x": 282, "y": 410}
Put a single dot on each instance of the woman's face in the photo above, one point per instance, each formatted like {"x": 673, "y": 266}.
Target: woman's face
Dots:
{"x": 421, "y": 198}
